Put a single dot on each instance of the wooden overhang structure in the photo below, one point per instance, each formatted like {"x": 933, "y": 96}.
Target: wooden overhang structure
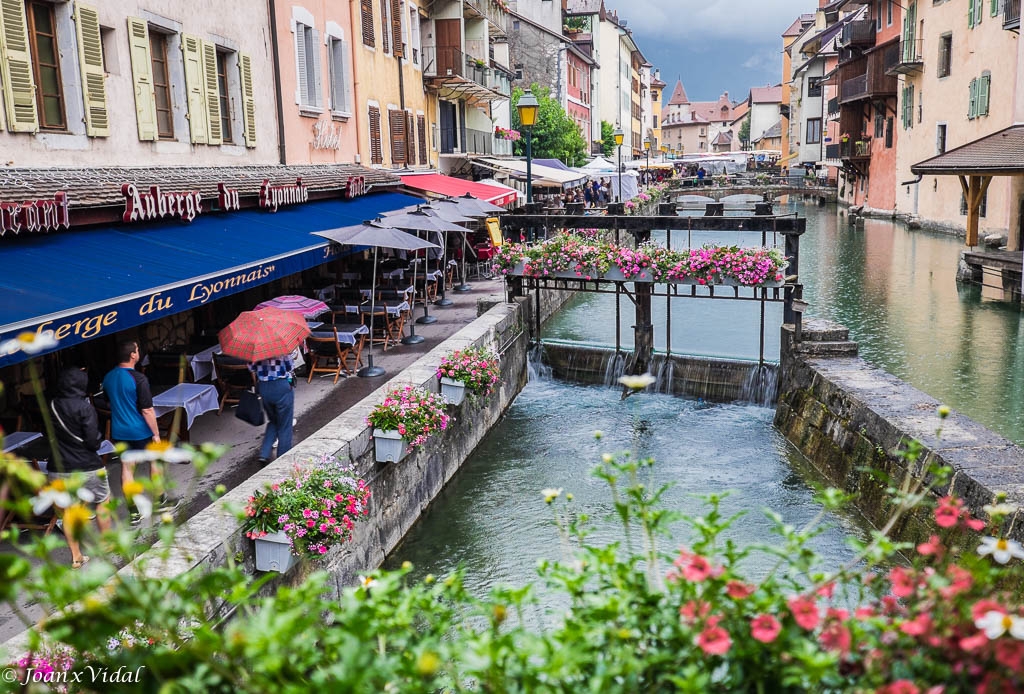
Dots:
{"x": 537, "y": 227}
{"x": 998, "y": 154}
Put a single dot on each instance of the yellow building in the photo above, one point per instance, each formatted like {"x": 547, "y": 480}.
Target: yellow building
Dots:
{"x": 394, "y": 118}
{"x": 788, "y": 37}
{"x": 657, "y": 89}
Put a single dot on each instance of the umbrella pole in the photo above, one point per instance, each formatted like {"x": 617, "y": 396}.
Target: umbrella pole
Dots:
{"x": 426, "y": 318}
{"x": 444, "y": 300}
{"x": 462, "y": 286}
{"x": 412, "y": 338}
{"x": 370, "y": 370}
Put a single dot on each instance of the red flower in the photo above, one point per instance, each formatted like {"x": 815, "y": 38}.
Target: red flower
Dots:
{"x": 714, "y": 641}
{"x": 948, "y": 512}
{"x": 805, "y": 612}
{"x": 903, "y": 582}
{"x": 836, "y": 637}
{"x": 933, "y": 547}
{"x": 765, "y": 628}
{"x": 737, "y": 590}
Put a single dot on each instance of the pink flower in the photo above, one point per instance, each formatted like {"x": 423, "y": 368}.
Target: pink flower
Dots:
{"x": 714, "y": 641}
{"x": 918, "y": 626}
{"x": 903, "y": 583}
{"x": 765, "y": 628}
{"x": 693, "y": 610}
{"x": 836, "y": 637}
{"x": 899, "y": 687}
{"x": 933, "y": 547}
{"x": 948, "y": 512}
{"x": 697, "y": 569}
{"x": 805, "y": 612}
{"x": 737, "y": 590}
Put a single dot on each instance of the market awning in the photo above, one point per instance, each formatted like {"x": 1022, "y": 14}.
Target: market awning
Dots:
{"x": 542, "y": 175}
{"x": 95, "y": 282}
{"x": 448, "y": 185}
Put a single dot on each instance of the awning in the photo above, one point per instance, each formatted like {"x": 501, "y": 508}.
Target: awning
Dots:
{"x": 448, "y": 185}
{"x": 542, "y": 175}
{"x": 95, "y": 282}
{"x": 998, "y": 154}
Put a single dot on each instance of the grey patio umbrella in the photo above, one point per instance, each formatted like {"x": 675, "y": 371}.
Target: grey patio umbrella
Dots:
{"x": 471, "y": 207}
{"x": 376, "y": 234}
{"x": 426, "y": 220}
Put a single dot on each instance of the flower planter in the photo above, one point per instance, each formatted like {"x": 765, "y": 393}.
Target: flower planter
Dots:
{"x": 274, "y": 553}
{"x": 453, "y": 392}
{"x": 389, "y": 446}
{"x": 615, "y": 274}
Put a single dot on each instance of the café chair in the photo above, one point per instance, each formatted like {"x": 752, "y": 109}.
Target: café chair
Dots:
{"x": 233, "y": 379}
{"x": 101, "y": 404}
{"x": 484, "y": 257}
{"x": 168, "y": 368}
{"x": 327, "y": 355}
{"x": 355, "y": 352}
{"x": 381, "y": 331}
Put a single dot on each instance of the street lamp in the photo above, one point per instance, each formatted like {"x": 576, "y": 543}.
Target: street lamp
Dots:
{"x": 618, "y": 143}
{"x": 528, "y": 108}
{"x": 647, "y": 149}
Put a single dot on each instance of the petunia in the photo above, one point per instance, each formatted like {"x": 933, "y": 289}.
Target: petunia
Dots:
{"x": 765, "y": 628}
{"x": 737, "y": 590}
{"x": 805, "y": 612}
{"x": 714, "y": 641}
{"x": 1001, "y": 549}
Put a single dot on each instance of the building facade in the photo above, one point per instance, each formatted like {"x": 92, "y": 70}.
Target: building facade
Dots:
{"x": 657, "y": 93}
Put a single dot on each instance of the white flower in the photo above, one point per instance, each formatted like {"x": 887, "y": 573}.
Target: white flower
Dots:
{"x": 162, "y": 450}
{"x": 637, "y": 382}
{"x": 550, "y": 494}
{"x": 367, "y": 582}
{"x": 50, "y": 496}
{"x": 1001, "y": 549}
{"x": 144, "y": 504}
{"x": 29, "y": 343}
{"x": 85, "y": 495}
{"x": 995, "y": 624}
{"x": 1002, "y": 509}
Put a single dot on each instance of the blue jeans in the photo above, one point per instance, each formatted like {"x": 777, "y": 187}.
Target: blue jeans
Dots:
{"x": 279, "y": 404}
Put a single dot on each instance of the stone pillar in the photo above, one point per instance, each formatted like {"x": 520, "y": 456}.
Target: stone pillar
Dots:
{"x": 714, "y": 209}
{"x": 666, "y": 209}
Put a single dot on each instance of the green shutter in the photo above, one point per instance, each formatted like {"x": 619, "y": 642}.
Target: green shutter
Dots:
{"x": 18, "y": 86}
{"x": 90, "y": 61}
{"x": 994, "y": 9}
{"x": 195, "y": 89}
{"x": 142, "y": 76}
{"x": 212, "y": 88}
{"x": 970, "y": 14}
{"x": 972, "y": 103}
{"x": 248, "y": 100}
{"x": 984, "y": 86}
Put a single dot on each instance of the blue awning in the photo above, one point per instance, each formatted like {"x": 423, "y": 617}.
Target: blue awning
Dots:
{"x": 94, "y": 282}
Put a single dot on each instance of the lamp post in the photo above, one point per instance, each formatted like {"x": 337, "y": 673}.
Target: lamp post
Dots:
{"x": 647, "y": 150}
{"x": 618, "y": 143}
{"x": 528, "y": 106}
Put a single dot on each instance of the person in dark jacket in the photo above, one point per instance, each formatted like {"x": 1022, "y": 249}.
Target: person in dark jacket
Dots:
{"x": 78, "y": 439}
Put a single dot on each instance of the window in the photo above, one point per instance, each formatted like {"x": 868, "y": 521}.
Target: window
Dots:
{"x": 385, "y": 25}
{"x": 397, "y": 123}
{"x": 879, "y": 125}
{"x": 376, "y": 151}
{"x": 42, "y": 36}
{"x": 940, "y": 138}
{"x": 421, "y": 128}
{"x": 878, "y": 15}
{"x": 975, "y": 12}
{"x": 945, "y": 55}
{"x": 978, "y": 100}
{"x": 337, "y": 53}
{"x": 366, "y": 20}
{"x": 307, "y": 66}
{"x": 813, "y": 131}
{"x": 814, "y": 87}
{"x": 888, "y": 132}
{"x": 907, "y": 103}
{"x": 888, "y": 12}
{"x": 222, "y": 92}
{"x": 414, "y": 28}
{"x": 994, "y": 10}
{"x": 981, "y": 210}
{"x": 161, "y": 86}
{"x": 655, "y": 120}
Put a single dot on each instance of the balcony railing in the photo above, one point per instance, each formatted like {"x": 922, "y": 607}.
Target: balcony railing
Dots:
{"x": 503, "y": 148}
{"x": 477, "y": 48}
{"x": 858, "y": 33}
{"x": 443, "y": 61}
{"x": 833, "y": 106}
{"x": 500, "y": 82}
{"x": 910, "y": 58}
{"x": 859, "y": 149}
{"x": 854, "y": 88}
{"x": 1011, "y": 15}
{"x": 872, "y": 80}
{"x": 479, "y": 141}
{"x": 831, "y": 151}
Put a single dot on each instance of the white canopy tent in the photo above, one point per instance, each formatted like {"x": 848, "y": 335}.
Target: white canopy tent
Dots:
{"x": 598, "y": 164}
{"x": 542, "y": 175}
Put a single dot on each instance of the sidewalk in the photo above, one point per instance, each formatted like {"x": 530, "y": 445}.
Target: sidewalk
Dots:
{"x": 316, "y": 403}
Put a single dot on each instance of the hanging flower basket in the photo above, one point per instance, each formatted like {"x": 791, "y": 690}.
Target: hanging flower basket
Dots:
{"x": 274, "y": 552}
{"x": 389, "y": 446}
{"x": 407, "y": 417}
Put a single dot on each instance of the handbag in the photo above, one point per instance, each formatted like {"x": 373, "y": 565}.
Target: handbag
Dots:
{"x": 250, "y": 408}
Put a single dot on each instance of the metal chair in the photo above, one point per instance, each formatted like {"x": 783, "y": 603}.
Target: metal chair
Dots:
{"x": 327, "y": 355}
{"x": 233, "y": 379}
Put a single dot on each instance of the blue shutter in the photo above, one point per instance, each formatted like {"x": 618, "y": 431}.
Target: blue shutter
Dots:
{"x": 984, "y": 86}
{"x": 972, "y": 103}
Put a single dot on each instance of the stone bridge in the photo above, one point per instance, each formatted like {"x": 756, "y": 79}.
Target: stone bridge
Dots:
{"x": 747, "y": 195}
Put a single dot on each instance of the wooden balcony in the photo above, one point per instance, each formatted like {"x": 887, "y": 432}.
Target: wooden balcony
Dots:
{"x": 1011, "y": 15}
{"x": 867, "y": 79}
{"x": 859, "y": 34}
{"x": 909, "y": 58}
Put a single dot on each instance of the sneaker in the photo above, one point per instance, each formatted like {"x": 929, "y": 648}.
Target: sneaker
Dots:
{"x": 165, "y": 505}
{"x": 262, "y": 462}
{"x": 134, "y": 518}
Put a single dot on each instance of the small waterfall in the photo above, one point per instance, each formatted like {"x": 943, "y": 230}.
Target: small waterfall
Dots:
{"x": 761, "y": 387}
{"x": 536, "y": 369}
{"x": 614, "y": 367}
{"x": 665, "y": 376}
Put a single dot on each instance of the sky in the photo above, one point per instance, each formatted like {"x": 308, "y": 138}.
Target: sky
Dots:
{"x": 713, "y": 45}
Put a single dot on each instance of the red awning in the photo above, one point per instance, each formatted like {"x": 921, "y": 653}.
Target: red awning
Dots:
{"x": 446, "y": 185}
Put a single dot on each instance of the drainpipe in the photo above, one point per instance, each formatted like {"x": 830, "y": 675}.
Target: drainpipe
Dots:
{"x": 355, "y": 21}
{"x": 276, "y": 56}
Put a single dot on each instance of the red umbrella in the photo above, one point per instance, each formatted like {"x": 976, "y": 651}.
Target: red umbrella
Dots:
{"x": 269, "y": 332}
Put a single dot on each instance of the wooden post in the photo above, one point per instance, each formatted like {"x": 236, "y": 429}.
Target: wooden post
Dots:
{"x": 643, "y": 331}
{"x": 974, "y": 190}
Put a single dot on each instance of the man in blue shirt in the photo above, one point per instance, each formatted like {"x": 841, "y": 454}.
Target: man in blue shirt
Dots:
{"x": 132, "y": 418}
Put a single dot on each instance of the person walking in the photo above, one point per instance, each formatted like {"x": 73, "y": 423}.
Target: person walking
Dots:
{"x": 275, "y": 384}
{"x": 78, "y": 439}
{"x": 132, "y": 417}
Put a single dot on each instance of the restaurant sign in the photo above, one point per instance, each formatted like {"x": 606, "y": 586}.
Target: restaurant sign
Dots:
{"x": 35, "y": 215}
{"x": 75, "y": 327}
{"x": 154, "y": 204}
{"x": 272, "y": 197}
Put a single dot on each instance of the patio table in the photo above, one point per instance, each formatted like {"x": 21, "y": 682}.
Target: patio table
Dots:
{"x": 347, "y": 332}
{"x": 17, "y": 439}
{"x": 194, "y": 398}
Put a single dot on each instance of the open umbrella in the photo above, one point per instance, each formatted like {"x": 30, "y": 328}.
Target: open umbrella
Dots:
{"x": 425, "y": 220}
{"x": 471, "y": 207}
{"x": 263, "y": 334}
{"x": 377, "y": 234}
{"x": 303, "y": 305}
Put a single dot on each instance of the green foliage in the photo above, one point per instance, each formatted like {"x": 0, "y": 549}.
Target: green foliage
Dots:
{"x": 745, "y": 131}
{"x": 607, "y": 138}
{"x": 555, "y": 136}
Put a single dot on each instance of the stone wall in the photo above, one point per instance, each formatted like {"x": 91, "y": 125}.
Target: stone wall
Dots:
{"x": 849, "y": 418}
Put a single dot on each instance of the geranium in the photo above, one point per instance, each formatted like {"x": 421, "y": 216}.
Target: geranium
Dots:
{"x": 476, "y": 367}
{"x": 413, "y": 412}
{"x": 765, "y": 628}
{"x": 317, "y": 507}
{"x": 507, "y": 134}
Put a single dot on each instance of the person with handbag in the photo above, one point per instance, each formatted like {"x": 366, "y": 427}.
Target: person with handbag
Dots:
{"x": 274, "y": 384}
{"x": 78, "y": 439}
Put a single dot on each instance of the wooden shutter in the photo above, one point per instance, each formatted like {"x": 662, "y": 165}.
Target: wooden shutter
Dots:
{"x": 421, "y": 131}
{"x": 316, "y": 87}
{"x": 376, "y": 153}
{"x": 994, "y": 10}
{"x": 396, "y": 27}
{"x": 248, "y": 101}
{"x": 396, "y": 124}
{"x": 410, "y": 139}
{"x": 90, "y": 61}
{"x": 195, "y": 89}
{"x": 385, "y": 30}
{"x": 142, "y": 76}
{"x": 366, "y": 15}
{"x": 970, "y": 14}
{"x": 19, "y": 89}
{"x": 216, "y": 136}
{"x": 302, "y": 80}
{"x": 984, "y": 86}
{"x": 972, "y": 103}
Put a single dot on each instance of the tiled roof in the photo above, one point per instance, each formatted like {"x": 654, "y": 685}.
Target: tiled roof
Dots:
{"x": 723, "y": 138}
{"x": 678, "y": 95}
{"x": 102, "y": 186}
{"x": 796, "y": 28}
{"x": 582, "y": 6}
{"x": 999, "y": 153}
{"x": 713, "y": 110}
{"x": 772, "y": 132}
{"x": 740, "y": 111}
{"x": 766, "y": 95}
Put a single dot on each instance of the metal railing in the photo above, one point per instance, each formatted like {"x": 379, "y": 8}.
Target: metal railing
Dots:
{"x": 831, "y": 151}
{"x": 858, "y": 33}
{"x": 1011, "y": 14}
{"x": 833, "y": 105}
{"x": 442, "y": 61}
{"x": 479, "y": 142}
{"x": 855, "y": 149}
{"x": 909, "y": 59}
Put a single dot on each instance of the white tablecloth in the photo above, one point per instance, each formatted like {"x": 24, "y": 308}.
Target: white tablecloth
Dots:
{"x": 202, "y": 363}
{"x": 195, "y": 398}
{"x": 346, "y": 333}
{"x": 393, "y": 309}
{"x": 17, "y": 439}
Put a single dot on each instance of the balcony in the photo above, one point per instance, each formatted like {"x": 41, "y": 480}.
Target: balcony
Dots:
{"x": 443, "y": 61}
{"x": 477, "y": 48}
{"x": 860, "y": 33}
{"x": 500, "y": 81}
{"x": 486, "y": 9}
{"x": 1011, "y": 15}
{"x": 833, "y": 106}
{"x": 867, "y": 78}
{"x": 910, "y": 58}
{"x": 854, "y": 88}
{"x": 457, "y": 76}
{"x": 479, "y": 142}
{"x": 831, "y": 151}
{"x": 859, "y": 150}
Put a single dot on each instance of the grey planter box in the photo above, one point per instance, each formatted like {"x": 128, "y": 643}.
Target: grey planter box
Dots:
{"x": 453, "y": 392}
{"x": 273, "y": 553}
{"x": 389, "y": 446}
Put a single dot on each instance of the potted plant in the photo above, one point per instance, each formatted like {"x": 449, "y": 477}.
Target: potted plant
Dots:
{"x": 406, "y": 418}
{"x": 474, "y": 369}
{"x": 305, "y": 514}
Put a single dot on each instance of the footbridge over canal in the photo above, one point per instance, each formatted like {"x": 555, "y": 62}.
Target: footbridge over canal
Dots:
{"x": 749, "y": 193}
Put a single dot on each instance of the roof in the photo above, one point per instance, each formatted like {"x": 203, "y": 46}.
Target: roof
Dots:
{"x": 542, "y": 175}
{"x": 656, "y": 82}
{"x": 1001, "y": 153}
{"x": 448, "y": 185}
{"x": 723, "y": 138}
{"x": 678, "y": 95}
{"x": 583, "y": 6}
{"x": 766, "y": 95}
{"x": 740, "y": 111}
{"x": 772, "y": 132}
{"x": 796, "y": 28}
{"x": 102, "y": 187}
{"x": 713, "y": 110}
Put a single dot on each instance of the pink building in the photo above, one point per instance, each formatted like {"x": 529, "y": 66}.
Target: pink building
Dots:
{"x": 318, "y": 121}
{"x": 577, "y": 92}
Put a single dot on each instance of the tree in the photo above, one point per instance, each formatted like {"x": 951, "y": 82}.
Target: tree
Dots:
{"x": 745, "y": 132}
{"x": 555, "y": 136}
{"x": 607, "y": 138}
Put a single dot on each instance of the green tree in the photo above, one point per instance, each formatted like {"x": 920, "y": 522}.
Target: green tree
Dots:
{"x": 555, "y": 136}
{"x": 607, "y": 138}
{"x": 745, "y": 132}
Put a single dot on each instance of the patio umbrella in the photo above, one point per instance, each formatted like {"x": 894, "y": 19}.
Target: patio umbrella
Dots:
{"x": 308, "y": 308}
{"x": 471, "y": 207}
{"x": 263, "y": 334}
{"x": 425, "y": 220}
{"x": 377, "y": 234}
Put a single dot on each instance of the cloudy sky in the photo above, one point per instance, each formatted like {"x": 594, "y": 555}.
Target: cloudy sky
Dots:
{"x": 713, "y": 45}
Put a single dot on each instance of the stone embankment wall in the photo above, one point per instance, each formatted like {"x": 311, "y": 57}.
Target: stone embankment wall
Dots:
{"x": 849, "y": 418}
